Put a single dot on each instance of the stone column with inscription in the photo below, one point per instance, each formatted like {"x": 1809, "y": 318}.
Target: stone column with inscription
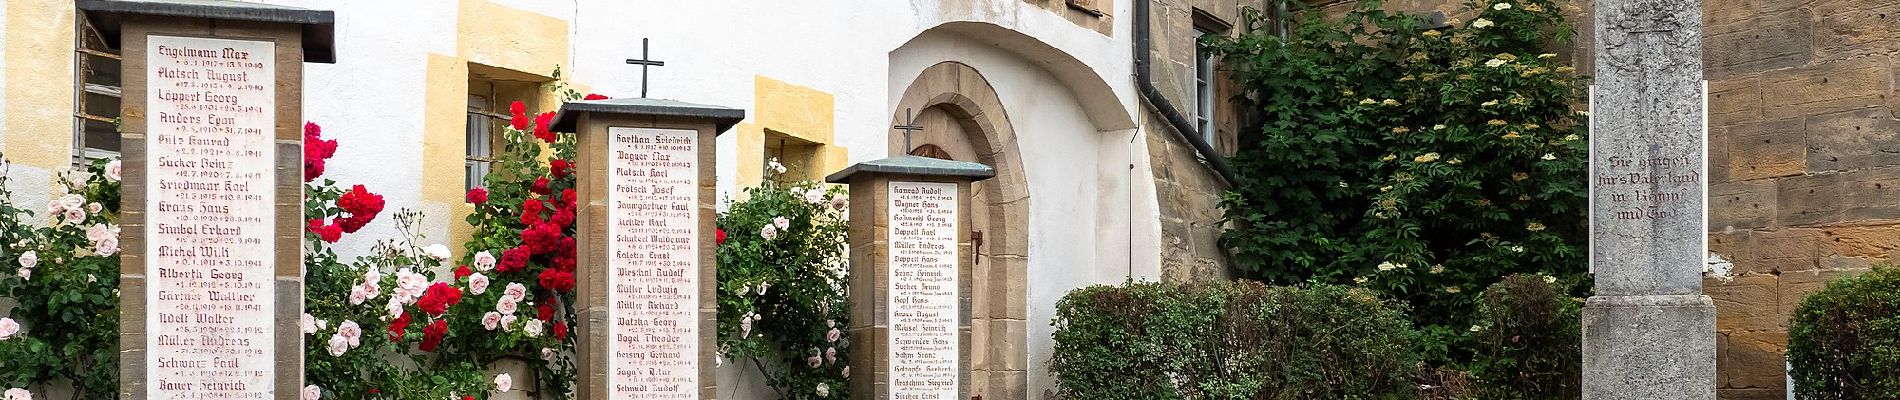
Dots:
{"x": 211, "y": 273}
{"x": 910, "y": 276}
{"x": 1648, "y": 333}
{"x": 647, "y": 267}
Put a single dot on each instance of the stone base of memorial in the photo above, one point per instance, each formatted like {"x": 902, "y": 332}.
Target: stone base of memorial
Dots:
{"x": 211, "y": 268}
{"x": 647, "y": 263}
{"x": 1649, "y": 347}
{"x": 910, "y": 277}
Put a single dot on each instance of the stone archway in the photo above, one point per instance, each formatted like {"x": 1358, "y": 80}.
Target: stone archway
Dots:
{"x": 964, "y": 120}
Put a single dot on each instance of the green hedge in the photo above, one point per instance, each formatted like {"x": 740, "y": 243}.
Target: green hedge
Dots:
{"x": 1233, "y": 340}
{"x": 1844, "y": 342}
{"x": 1529, "y": 341}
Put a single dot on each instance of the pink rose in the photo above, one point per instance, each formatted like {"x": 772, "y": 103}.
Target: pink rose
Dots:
{"x": 833, "y": 335}
{"x": 312, "y": 392}
{"x": 29, "y": 259}
{"x": 350, "y": 330}
{"x": 477, "y": 283}
{"x": 8, "y": 328}
{"x": 515, "y": 291}
{"x": 814, "y": 361}
{"x": 508, "y": 323}
{"x": 358, "y": 295}
{"x": 95, "y": 208}
{"x": 115, "y": 170}
{"x": 107, "y": 247}
{"x": 484, "y": 261}
{"x": 491, "y": 320}
{"x": 338, "y": 345}
{"x": 506, "y": 306}
{"x": 308, "y": 323}
{"x": 831, "y": 354}
{"x": 503, "y": 382}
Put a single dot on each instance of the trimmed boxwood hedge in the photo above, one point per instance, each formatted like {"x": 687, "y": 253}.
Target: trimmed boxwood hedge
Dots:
{"x": 1844, "y": 341}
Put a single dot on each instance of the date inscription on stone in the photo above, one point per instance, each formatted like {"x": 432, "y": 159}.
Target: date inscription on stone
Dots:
{"x": 923, "y": 291}
{"x": 211, "y": 112}
{"x": 653, "y": 245}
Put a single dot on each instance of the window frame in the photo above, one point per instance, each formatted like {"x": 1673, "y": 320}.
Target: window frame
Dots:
{"x": 1204, "y": 103}
{"x": 90, "y": 49}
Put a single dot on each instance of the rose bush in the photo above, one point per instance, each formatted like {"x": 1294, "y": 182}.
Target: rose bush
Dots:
{"x": 65, "y": 277}
{"x": 782, "y": 279}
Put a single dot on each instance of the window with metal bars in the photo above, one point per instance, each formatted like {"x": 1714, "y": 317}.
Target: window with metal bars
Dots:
{"x": 96, "y": 94}
{"x": 484, "y": 124}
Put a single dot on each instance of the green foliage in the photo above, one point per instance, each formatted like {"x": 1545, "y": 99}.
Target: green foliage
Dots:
{"x": 65, "y": 278}
{"x": 1421, "y": 163}
{"x": 1529, "y": 340}
{"x": 782, "y": 277}
{"x": 1232, "y": 340}
{"x": 1844, "y": 341}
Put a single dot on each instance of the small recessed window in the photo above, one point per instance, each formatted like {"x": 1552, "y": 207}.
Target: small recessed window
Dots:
{"x": 96, "y": 95}
{"x": 1203, "y": 88}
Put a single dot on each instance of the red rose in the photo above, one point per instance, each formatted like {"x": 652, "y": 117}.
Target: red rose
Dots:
{"x": 560, "y": 331}
{"x": 362, "y": 206}
{"x": 437, "y": 299}
{"x": 397, "y": 326}
{"x": 432, "y": 335}
{"x": 567, "y": 250}
{"x": 463, "y": 272}
{"x": 557, "y": 280}
{"x": 719, "y": 236}
{"x": 560, "y": 168}
{"x": 542, "y": 125}
{"x": 563, "y": 217}
{"x": 311, "y": 129}
{"x": 568, "y": 196}
{"x": 477, "y": 196}
{"x": 545, "y": 311}
{"x": 517, "y": 108}
{"x": 312, "y": 169}
{"x": 315, "y": 150}
{"x": 520, "y": 122}
{"x": 374, "y": 391}
{"x": 540, "y": 186}
{"x": 564, "y": 263}
{"x": 468, "y": 397}
{"x": 325, "y": 232}
{"x": 530, "y": 212}
{"x": 352, "y": 224}
{"x": 512, "y": 260}
{"x": 593, "y": 96}
{"x": 541, "y": 239}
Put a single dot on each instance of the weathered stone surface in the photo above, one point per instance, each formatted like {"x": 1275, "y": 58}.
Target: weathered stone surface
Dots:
{"x": 1861, "y": 241}
{"x": 1848, "y": 29}
{"x": 1649, "y": 347}
{"x": 1808, "y": 200}
{"x": 1752, "y": 394}
{"x": 1825, "y": 87}
{"x": 1734, "y": 100}
{"x": 1760, "y": 41}
{"x": 1755, "y": 360}
{"x": 1787, "y": 249}
{"x": 1766, "y": 150}
{"x": 1855, "y": 139}
{"x": 1741, "y": 205}
{"x": 1745, "y": 303}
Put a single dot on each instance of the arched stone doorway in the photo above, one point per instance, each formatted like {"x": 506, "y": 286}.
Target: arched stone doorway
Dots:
{"x": 964, "y": 120}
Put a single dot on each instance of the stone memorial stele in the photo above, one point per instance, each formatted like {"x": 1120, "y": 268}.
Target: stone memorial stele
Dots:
{"x": 647, "y": 265}
{"x": 211, "y": 269}
{"x": 910, "y": 276}
{"x": 1648, "y": 333}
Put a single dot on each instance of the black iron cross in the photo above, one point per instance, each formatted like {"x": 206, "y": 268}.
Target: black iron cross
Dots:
{"x": 644, "y": 61}
{"x": 908, "y": 127}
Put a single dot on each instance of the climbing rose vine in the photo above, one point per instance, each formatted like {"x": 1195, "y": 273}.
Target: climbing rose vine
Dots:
{"x": 782, "y": 279}
{"x": 63, "y": 270}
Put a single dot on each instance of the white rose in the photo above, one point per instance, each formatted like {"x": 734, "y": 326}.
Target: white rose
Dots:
{"x": 75, "y": 215}
{"x": 484, "y": 261}
{"x": 782, "y": 223}
{"x": 115, "y": 170}
{"x": 503, "y": 382}
{"x": 394, "y": 307}
{"x": 72, "y": 201}
{"x": 491, "y": 320}
{"x": 506, "y": 306}
{"x": 350, "y": 330}
{"x": 768, "y": 232}
{"x": 309, "y": 324}
{"x": 437, "y": 251}
{"x": 8, "y": 328}
{"x": 547, "y": 353}
{"x": 532, "y": 328}
{"x": 508, "y": 323}
{"x": 815, "y": 196}
{"x": 107, "y": 247}
{"x": 358, "y": 295}
{"x": 824, "y": 390}
{"x": 312, "y": 392}
{"x": 29, "y": 259}
{"x": 26, "y": 274}
{"x": 18, "y": 394}
{"x": 338, "y": 345}
{"x": 515, "y": 291}
{"x": 846, "y": 372}
{"x": 97, "y": 232}
{"x": 95, "y": 208}
{"x": 54, "y": 207}
{"x": 477, "y": 283}
{"x": 838, "y": 202}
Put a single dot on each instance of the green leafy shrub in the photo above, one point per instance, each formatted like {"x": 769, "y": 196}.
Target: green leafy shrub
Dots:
{"x": 1529, "y": 340}
{"x": 782, "y": 278}
{"x": 1423, "y": 163}
{"x": 1231, "y": 340}
{"x": 1844, "y": 341}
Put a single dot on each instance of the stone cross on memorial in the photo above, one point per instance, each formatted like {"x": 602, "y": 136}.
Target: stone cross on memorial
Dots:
{"x": 910, "y": 278}
{"x": 211, "y": 275}
{"x": 1648, "y": 333}
{"x": 647, "y": 263}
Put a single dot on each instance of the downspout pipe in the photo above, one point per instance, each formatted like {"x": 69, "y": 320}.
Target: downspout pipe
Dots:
{"x": 1144, "y": 80}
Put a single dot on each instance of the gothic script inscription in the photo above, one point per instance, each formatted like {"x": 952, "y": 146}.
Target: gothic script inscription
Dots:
{"x": 211, "y": 107}
{"x": 923, "y": 292}
{"x": 653, "y": 240}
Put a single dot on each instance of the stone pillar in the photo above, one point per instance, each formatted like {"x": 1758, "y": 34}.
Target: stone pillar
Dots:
{"x": 910, "y": 276}
{"x": 647, "y": 316}
{"x": 212, "y": 207}
{"x": 1648, "y": 333}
